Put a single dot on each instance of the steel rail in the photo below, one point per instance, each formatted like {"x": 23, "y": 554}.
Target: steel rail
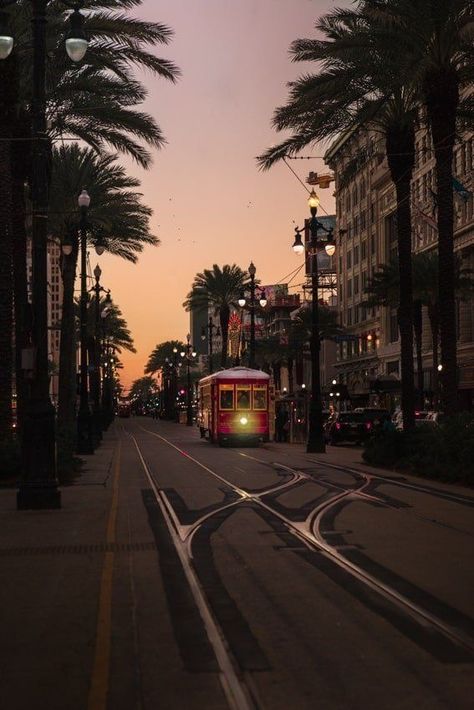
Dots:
{"x": 304, "y": 532}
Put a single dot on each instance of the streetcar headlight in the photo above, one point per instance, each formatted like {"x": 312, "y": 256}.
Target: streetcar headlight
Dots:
{"x": 243, "y": 420}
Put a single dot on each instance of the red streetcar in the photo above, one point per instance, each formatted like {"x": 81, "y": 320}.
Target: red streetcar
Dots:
{"x": 233, "y": 406}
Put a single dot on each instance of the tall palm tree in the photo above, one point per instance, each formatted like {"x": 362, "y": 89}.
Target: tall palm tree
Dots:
{"x": 116, "y": 219}
{"x": 383, "y": 289}
{"x": 357, "y": 84}
{"x": 218, "y": 289}
{"x": 94, "y": 101}
{"x": 436, "y": 37}
{"x": 163, "y": 353}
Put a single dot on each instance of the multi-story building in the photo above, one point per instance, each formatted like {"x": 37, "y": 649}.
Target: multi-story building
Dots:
{"x": 369, "y": 360}
{"x": 54, "y": 305}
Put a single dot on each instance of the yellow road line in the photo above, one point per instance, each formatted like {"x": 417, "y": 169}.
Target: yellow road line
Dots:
{"x": 100, "y": 672}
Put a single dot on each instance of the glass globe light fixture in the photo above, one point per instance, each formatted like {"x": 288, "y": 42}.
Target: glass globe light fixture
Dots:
{"x": 263, "y": 299}
{"x": 242, "y": 299}
{"x": 6, "y": 45}
{"x": 330, "y": 248}
{"x": 84, "y": 199}
{"x": 313, "y": 200}
{"x": 298, "y": 246}
{"x": 76, "y": 40}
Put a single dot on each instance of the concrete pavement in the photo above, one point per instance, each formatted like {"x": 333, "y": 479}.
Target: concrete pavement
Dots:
{"x": 91, "y": 594}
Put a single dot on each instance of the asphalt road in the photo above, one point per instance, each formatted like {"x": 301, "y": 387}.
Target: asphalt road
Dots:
{"x": 303, "y": 585}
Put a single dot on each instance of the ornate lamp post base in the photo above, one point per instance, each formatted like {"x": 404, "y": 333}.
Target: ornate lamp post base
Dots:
{"x": 41, "y": 495}
{"x": 38, "y": 488}
{"x": 85, "y": 444}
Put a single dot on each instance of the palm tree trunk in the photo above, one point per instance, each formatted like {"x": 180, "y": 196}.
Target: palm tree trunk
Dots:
{"x": 224, "y": 314}
{"x": 21, "y": 306}
{"x": 6, "y": 291}
{"x": 8, "y": 104}
{"x": 21, "y": 172}
{"x": 433, "y": 316}
{"x": 67, "y": 387}
{"x": 291, "y": 383}
{"x": 418, "y": 330}
{"x": 442, "y": 100}
{"x": 400, "y": 146}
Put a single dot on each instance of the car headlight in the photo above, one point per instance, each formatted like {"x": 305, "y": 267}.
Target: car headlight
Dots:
{"x": 243, "y": 420}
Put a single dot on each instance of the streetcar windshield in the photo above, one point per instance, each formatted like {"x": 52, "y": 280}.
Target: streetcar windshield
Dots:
{"x": 226, "y": 400}
{"x": 260, "y": 398}
{"x": 243, "y": 397}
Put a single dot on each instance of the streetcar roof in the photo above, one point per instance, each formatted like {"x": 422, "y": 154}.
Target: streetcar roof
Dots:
{"x": 237, "y": 373}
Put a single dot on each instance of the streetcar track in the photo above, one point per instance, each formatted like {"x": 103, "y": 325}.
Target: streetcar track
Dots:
{"x": 308, "y": 532}
{"x": 236, "y": 691}
{"x": 377, "y": 497}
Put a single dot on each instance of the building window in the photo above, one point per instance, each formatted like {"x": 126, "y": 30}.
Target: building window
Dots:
{"x": 372, "y": 212}
{"x": 393, "y": 368}
{"x": 393, "y": 329}
{"x": 349, "y": 288}
{"x": 363, "y": 249}
{"x": 356, "y": 225}
{"x": 349, "y": 316}
{"x": 356, "y": 285}
{"x": 356, "y": 315}
{"x": 363, "y": 189}
{"x": 349, "y": 259}
{"x": 363, "y": 220}
{"x": 364, "y": 280}
{"x": 373, "y": 241}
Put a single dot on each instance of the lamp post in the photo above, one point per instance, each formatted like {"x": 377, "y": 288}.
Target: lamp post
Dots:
{"x": 263, "y": 302}
{"x": 105, "y": 352}
{"x": 210, "y": 327}
{"x": 97, "y": 414}
{"x": 39, "y": 486}
{"x": 315, "y": 443}
{"x": 84, "y": 420}
{"x": 189, "y": 354}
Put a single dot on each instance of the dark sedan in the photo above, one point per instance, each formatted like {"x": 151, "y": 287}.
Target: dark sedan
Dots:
{"x": 347, "y": 426}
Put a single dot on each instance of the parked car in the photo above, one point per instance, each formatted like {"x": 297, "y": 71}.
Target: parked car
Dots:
{"x": 435, "y": 418}
{"x": 421, "y": 417}
{"x": 375, "y": 415}
{"x": 348, "y": 426}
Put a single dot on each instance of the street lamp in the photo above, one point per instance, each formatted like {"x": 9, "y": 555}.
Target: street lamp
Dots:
{"x": 84, "y": 421}
{"x": 189, "y": 354}
{"x": 39, "y": 485}
{"x": 316, "y": 442}
{"x": 210, "y": 327}
{"x": 97, "y": 414}
{"x": 105, "y": 353}
{"x": 252, "y": 303}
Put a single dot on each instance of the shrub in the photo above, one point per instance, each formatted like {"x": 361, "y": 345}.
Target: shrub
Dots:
{"x": 10, "y": 460}
{"x": 445, "y": 453}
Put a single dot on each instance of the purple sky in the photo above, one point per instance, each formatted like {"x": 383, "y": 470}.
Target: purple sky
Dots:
{"x": 210, "y": 202}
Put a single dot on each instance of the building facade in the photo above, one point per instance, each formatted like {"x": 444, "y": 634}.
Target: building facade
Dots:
{"x": 368, "y": 362}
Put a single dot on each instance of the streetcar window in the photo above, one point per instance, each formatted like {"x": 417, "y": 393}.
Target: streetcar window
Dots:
{"x": 243, "y": 397}
{"x": 226, "y": 397}
{"x": 260, "y": 398}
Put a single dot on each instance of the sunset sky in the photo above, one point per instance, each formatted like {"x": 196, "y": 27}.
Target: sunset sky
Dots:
{"x": 211, "y": 203}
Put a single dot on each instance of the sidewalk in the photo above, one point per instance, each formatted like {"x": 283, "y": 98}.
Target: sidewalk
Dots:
{"x": 84, "y": 615}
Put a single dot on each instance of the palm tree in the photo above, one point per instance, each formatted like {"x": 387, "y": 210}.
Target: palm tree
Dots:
{"x": 218, "y": 289}
{"x": 357, "y": 85}
{"x": 116, "y": 219}
{"x": 142, "y": 391}
{"x": 95, "y": 102}
{"x": 163, "y": 353}
{"x": 436, "y": 38}
{"x": 383, "y": 289}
